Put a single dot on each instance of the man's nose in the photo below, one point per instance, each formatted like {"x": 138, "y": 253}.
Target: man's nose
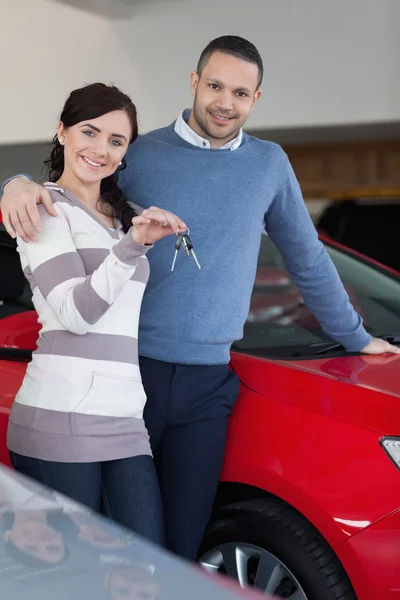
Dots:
{"x": 225, "y": 101}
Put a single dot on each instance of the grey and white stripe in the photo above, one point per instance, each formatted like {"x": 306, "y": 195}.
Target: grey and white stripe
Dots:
{"x": 88, "y": 282}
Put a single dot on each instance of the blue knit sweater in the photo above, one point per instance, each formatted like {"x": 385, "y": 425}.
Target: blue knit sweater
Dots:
{"x": 226, "y": 198}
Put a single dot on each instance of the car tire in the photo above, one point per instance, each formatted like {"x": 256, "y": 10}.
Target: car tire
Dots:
{"x": 306, "y": 565}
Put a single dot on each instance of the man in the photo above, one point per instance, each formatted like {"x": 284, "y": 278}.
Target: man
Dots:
{"x": 227, "y": 186}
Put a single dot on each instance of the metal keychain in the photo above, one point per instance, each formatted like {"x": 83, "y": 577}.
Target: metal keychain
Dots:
{"x": 184, "y": 241}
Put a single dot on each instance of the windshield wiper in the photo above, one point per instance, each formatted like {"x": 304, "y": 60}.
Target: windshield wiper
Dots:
{"x": 306, "y": 351}
{"x": 326, "y": 347}
{"x": 388, "y": 337}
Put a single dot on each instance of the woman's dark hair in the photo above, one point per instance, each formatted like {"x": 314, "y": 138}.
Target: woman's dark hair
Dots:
{"x": 87, "y": 103}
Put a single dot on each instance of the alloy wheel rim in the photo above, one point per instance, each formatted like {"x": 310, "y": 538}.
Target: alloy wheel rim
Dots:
{"x": 255, "y": 567}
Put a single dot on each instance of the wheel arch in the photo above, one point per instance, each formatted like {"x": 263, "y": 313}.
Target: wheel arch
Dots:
{"x": 249, "y": 503}
{"x": 328, "y": 528}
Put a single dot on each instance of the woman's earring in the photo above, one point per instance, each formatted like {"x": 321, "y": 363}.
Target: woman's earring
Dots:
{"x": 120, "y": 163}
{"x": 61, "y": 141}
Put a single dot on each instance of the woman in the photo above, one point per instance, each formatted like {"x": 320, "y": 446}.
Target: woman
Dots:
{"x": 76, "y": 423}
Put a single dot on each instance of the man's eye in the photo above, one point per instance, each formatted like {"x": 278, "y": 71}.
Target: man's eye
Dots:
{"x": 242, "y": 94}
{"x": 213, "y": 86}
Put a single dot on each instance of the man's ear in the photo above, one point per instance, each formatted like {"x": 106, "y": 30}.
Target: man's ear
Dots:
{"x": 194, "y": 80}
{"x": 256, "y": 98}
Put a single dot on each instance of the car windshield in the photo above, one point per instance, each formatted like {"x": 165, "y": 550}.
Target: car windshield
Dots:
{"x": 15, "y": 292}
{"x": 280, "y": 325}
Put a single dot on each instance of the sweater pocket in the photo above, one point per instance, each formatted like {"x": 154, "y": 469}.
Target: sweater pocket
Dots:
{"x": 109, "y": 406}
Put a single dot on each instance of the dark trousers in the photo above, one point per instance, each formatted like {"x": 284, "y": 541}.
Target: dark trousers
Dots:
{"x": 186, "y": 415}
{"x": 125, "y": 490}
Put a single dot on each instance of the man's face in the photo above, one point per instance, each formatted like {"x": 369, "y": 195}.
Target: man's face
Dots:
{"x": 224, "y": 95}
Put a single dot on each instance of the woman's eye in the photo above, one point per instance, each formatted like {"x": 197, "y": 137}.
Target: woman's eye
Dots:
{"x": 88, "y": 132}
{"x": 116, "y": 143}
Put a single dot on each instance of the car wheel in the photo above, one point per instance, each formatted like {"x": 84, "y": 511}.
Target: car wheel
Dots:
{"x": 268, "y": 545}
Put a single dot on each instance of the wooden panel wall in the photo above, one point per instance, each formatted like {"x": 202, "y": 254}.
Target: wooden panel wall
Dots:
{"x": 330, "y": 170}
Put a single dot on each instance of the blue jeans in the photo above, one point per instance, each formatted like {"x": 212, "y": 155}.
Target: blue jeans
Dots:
{"x": 126, "y": 490}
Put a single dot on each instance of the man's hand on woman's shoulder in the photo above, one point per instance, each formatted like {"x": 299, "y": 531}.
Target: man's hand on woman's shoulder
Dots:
{"x": 19, "y": 209}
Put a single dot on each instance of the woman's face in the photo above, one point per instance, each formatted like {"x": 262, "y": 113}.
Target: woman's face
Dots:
{"x": 36, "y": 538}
{"x": 93, "y": 149}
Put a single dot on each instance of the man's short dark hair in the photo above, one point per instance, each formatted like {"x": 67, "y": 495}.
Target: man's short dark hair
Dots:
{"x": 235, "y": 46}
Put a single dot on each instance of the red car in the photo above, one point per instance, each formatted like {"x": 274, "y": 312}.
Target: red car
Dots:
{"x": 309, "y": 502}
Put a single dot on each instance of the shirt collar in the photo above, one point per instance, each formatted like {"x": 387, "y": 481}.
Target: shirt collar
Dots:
{"x": 49, "y": 185}
{"x": 187, "y": 134}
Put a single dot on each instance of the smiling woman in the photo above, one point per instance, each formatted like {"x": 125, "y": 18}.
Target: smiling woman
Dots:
{"x": 91, "y": 142}
{"x": 77, "y": 421}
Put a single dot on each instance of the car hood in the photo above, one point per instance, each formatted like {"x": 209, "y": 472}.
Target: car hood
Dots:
{"x": 361, "y": 389}
{"x": 90, "y": 557}
{"x": 378, "y": 373}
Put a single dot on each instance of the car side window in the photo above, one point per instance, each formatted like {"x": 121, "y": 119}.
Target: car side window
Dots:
{"x": 280, "y": 324}
{"x": 15, "y": 293}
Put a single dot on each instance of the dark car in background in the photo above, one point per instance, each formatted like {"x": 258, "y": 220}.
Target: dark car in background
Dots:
{"x": 369, "y": 225}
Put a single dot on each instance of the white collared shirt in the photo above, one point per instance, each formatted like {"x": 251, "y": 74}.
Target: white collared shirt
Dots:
{"x": 187, "y": 134}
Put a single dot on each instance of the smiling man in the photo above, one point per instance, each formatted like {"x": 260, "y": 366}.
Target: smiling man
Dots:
{"x": 227, "y": 186}
{"x": 224, "y": 97}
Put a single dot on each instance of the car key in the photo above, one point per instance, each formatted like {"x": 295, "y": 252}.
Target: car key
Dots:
{"x": 185, "y": 245}
{"x": 189, "y": 248}
{"x": 178, "y": 244}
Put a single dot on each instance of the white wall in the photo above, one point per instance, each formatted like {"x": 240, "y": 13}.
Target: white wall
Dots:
{"x": 46, "y": 50}
{"x": 327, "y": 62}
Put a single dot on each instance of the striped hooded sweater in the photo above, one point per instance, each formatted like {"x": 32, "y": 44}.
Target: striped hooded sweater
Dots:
{"x": 82, "y": 397}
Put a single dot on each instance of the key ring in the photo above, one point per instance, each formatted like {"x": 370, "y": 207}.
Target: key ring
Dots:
{"x": 183, "y": 240}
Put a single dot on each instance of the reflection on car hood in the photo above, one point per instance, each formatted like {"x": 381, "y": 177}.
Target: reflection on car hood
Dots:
{"x": 362, "y": 389}
{"x": 52, "y": 547}
{"x": 378, "y": 373}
